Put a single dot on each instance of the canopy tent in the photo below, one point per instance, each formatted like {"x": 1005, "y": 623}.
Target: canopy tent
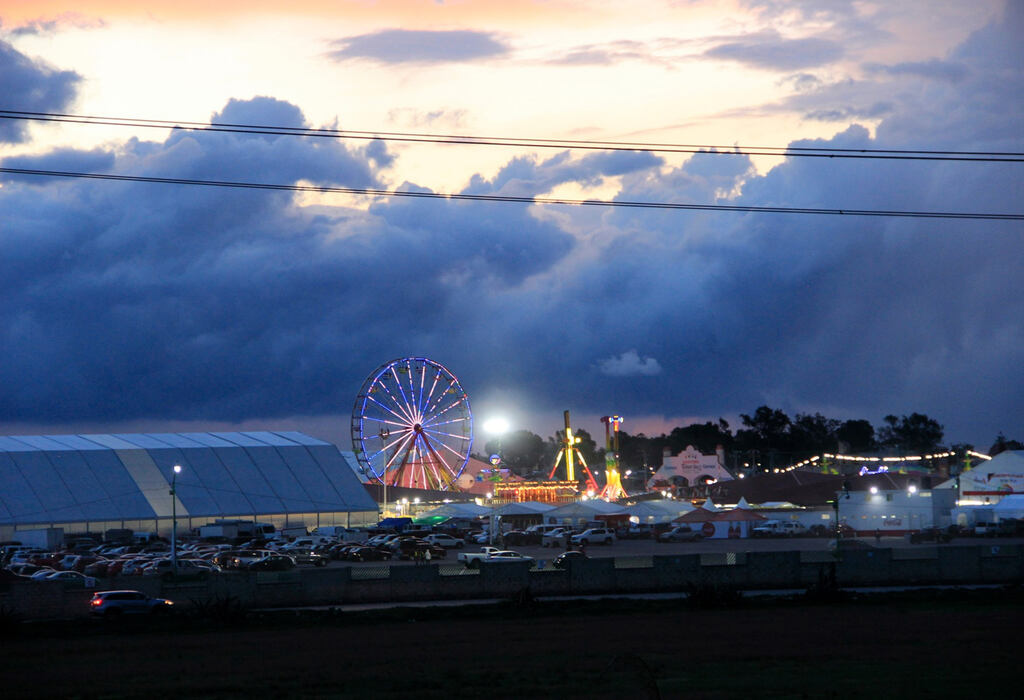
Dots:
{"x": 524, "y": 508}
{"x": 1010, "y": 507}
{"x": 697, "y": 515}
{"x": 658, "y": 511}
{"x": 733, "y": 524}
{"x": 710, "y": 505}
{"x": 583, "y": 511}
{"x": 457, "y": 510}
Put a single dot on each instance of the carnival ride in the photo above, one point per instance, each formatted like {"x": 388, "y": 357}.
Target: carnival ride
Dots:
{"x": 613, "y": 482}
{"x": 570, "y": 452}
{"x": 412, "y": 425}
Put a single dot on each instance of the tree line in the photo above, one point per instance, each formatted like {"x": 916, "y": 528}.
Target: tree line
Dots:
{"x": 767, "y": 439}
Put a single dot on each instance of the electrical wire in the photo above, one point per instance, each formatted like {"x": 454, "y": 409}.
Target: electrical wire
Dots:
{"x": 450, "y": 139}
{"x": 514, "y": 199}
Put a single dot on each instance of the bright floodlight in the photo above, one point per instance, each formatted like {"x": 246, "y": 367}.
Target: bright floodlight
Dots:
{"x": 496, "y": 426}
{"x": 912, "y": 489}
{"x": 177, "y": 469}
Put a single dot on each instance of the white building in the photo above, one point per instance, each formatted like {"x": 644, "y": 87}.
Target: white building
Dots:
{"x": 690, "y": 468}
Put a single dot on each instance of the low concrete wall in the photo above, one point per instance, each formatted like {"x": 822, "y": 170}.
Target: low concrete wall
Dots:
{"x": 982, "y": 564}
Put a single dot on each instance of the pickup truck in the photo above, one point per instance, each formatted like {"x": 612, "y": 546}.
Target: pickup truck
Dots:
{"x": 489, "y": 555}
{"x": 779, "y": 528}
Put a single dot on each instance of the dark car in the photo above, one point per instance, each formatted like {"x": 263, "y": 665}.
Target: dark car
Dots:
{"x": 275, "y": 562}
{"x": 369, "y": 554}
{"x": 115, "y": 603}
{"x": 520, "y": 537}
{"x": 930, "y": 534}
{"x": 680, "y": 533}
{"x": 565, "y": 559}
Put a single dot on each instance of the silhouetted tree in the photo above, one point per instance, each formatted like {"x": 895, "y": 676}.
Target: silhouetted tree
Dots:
{"x": 767, "y": 429}
{"x": 857, "y": 435}
{"x": 1002, "y": 445}
{"x": 813, "y": 434}
{"x": 704, "y": 436}
{"x": 913, "y": 434}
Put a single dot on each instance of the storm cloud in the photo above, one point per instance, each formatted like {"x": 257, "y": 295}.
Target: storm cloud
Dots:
{"x": 34, "y": 87}
{"x": 132, "y": 300}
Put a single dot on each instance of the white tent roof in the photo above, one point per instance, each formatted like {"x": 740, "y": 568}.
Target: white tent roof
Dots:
{"x": 710, "y": 505}
{"x": 659, "y": 511}
{"x": 584, "y": 509}
{"x": 524, "y": 508}
{"x": 457, "y": 510}
{"x": 1010, "y": 506}
{"x": 743, "y": 503}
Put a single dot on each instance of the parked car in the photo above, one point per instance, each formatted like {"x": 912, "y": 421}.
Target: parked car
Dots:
{"x": 114, "y": 603}
{"x": 930, "y": 534}
{"x": 681, "y": 533}
{"x": 491, "y": 556}
{"x": 274, "y": 562}
{"x": 308, "y": 556}
{"x": 594, "y": 535}
{"x": 72, "y": 579}
{"x": 369, "y": 554}
{"x": 446, "y": 541}
{"x": 779, "y": 528}
{"x": 556, "y": 538}
{"x": 565, "y": 559}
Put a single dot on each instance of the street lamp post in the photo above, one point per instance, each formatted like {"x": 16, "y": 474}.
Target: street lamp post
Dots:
{"x": 174, "y": 519}
{"x": 385, "y": 432}
{"x": 496, "y": 427}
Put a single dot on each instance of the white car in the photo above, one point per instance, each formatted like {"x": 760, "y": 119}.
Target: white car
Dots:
{"x": 594, "y": 535}
{"x": 446, "y": 541}
{"x": 72, "y": 578}
{"x": 556, "y": 538}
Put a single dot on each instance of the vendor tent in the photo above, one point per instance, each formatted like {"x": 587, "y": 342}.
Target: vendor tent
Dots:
{"x": 580, "y": 512}
{"x": 658, "y": 511}
{"x": 734, "y": 523}
{"x": 1010, "y": 507}
{"x": 524, "y": 508}
{"x": 457, "y": 510}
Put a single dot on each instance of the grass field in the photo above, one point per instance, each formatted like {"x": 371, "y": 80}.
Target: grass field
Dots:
{"x": 930, "y": 644}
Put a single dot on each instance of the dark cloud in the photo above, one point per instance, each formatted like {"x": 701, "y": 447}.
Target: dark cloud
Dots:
{"x": 770, "y": 51}
{"x": 932, "y": 70}
{"x": 132, "y": 301}
{"x": 31, "y": 86}
{"x": 409, "y": 46}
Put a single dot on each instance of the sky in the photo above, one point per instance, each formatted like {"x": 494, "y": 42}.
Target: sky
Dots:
{"x": 130, "y": 306}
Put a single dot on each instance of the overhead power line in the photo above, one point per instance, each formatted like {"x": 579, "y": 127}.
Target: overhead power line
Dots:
{"x": 514, "y": 199}
{"x": 452, "y": 139}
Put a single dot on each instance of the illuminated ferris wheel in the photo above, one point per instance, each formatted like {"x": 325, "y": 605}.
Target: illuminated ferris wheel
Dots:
{"x": 412, "y": 425}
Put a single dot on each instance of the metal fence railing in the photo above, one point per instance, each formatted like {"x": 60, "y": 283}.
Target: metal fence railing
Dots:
{"x": 365, "y": 573}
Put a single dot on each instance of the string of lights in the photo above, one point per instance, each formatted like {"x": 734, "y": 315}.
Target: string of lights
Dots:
{"x": 513, "y": 199}
{"x": 452, "y": 139}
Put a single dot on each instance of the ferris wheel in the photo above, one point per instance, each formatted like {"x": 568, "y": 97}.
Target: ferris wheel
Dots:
{"x": 412, "y": 425}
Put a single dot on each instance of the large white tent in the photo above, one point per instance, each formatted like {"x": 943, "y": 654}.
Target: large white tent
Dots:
{"x": 580, "y": 512}
{"x": 457, "y": 510}
{"x": 524, "y": 508}
{"x": 661, "y": 511}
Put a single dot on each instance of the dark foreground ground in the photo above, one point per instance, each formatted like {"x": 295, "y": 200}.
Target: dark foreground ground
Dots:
{"x": 923, "y": 644}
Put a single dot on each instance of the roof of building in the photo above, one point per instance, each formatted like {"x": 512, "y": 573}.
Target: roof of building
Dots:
{"x": 83, "y": 478}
